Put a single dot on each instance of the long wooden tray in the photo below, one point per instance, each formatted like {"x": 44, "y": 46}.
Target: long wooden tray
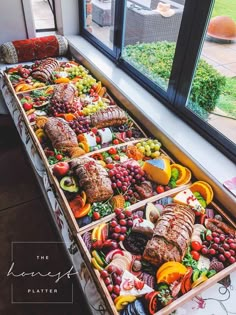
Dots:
{"x": 179, "y": 301}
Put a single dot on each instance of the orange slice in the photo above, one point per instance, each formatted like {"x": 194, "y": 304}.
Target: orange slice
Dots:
{"x": 204, "y": 189}
{"x": 181, "y": 170}
{"x": 186, "y": 179}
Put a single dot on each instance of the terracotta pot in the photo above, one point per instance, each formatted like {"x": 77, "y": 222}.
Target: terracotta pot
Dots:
{"x": 222, "y": 27}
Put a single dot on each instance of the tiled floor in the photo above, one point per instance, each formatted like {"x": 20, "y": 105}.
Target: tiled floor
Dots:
{"x": 221, "y": 56}
{"x": 24, "y": 216}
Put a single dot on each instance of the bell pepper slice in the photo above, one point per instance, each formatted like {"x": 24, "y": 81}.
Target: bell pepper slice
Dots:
{"x": 82, "y": 211}
{"x": 200, "y": 280}
{"x": 122, "y": 301}
{"x": 62, "y": 80}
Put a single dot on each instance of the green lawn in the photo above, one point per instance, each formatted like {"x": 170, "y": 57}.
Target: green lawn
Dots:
{"x": 225, "y": 7}
{"x": 227, "y": 100}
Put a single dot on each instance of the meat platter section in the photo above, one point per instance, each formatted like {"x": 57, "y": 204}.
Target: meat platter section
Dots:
{"x": 150, "y": 259}
{"x": 69, "y": 112}
{"x": 93, "y": 186}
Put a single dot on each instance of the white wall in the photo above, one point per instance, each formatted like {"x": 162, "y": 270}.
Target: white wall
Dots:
{"x": 12, "y": 24}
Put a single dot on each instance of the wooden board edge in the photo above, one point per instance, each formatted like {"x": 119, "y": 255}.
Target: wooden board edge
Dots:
{"x": 96, "y": 277}
{"x": 64, "y": 205}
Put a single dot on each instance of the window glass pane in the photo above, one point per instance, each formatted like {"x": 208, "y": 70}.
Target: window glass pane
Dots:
{"x": 100, "y": 20}
{"x": 151, "y": 32}
{"x": 43, "y": 14}
{"x": 213, "y": 93}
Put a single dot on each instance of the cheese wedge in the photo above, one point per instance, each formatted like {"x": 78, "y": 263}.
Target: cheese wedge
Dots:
{"x": 131, "y": 288}
{"x": 186, "y": 197}
{"x": 158, "y": 170}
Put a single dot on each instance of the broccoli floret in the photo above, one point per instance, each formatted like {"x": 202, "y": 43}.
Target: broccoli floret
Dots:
{"x": 174, "y": 177}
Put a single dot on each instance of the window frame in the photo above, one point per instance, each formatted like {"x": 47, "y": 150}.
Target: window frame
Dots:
{"x": 194, "y": 22}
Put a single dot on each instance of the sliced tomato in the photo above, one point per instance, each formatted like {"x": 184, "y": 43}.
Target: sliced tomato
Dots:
{"x": 196, "y": 246}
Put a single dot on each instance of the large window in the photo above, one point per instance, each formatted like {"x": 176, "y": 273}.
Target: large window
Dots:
{"x": 213, "y": 93}
{"x": 169, "y": 47}
{"x": 44, "y": 15}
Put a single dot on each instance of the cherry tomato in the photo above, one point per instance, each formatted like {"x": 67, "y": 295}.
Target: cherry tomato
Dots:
{"x": 116, "y": 141}
{"x": 160, "y": 189}
{"x": 96, "y": 216}
{"x": 116, "y": 157}
{"x": 98, "y": 139}
{"x": 196, "y": 246}
{"x": 94, "y": 130}
{"x": 112, "y": 151}
{"x": 59, "y": 157}
{"x": 109, "y": 166}
{"x": 195, "y": 254}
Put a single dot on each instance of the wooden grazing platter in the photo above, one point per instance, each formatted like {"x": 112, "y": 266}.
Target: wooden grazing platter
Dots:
{"x": 78, "y": 232}
{"x": 69, "y": 213}
{"x": 177, "y": 302}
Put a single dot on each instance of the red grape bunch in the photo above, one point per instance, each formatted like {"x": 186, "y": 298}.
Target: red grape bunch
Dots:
{"x": 125, "y": 177}
{"x": 221, "y": 246}
{"x": 119, "y": 226}
{"x": 112, "y": 279}
{"x": 58, "y": 107}
{"x": 80, "y": 125}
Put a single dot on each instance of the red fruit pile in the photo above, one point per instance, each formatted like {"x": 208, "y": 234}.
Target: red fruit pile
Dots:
{"x": 112, "y": 279}
{"x": 125, "y": 177}
{"x": 80, "y": 125}
{"x": 118, "y": 226}
{"x": 58, "y": 107}
{"x": 221, "y": 246}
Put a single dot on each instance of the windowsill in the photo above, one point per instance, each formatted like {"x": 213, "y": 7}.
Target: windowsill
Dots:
{"x": 179, "y": 138}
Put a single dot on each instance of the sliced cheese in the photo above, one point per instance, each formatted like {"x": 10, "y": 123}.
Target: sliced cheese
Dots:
{"x": 90, "y": 138}
{"x": 127, "y": 276}
{"x": 143, "y": 223}
{"x": 158, "y": 170}
{"x": 105, "y": 134}
{"x": 186, "y": 197}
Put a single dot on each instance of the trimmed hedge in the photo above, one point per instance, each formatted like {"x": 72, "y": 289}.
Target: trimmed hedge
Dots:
{"x": 155, "y": 60}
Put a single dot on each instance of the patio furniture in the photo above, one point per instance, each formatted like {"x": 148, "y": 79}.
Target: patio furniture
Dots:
{"x": 146, "y": 25}
{"x": 101, "y": 12}
{"x": 152, "y": 4}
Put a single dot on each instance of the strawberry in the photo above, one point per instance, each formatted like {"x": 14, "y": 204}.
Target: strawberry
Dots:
{"x": 138, "y": 284}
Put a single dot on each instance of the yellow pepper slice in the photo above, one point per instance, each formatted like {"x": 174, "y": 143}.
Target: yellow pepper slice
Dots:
{"x": 122, "y": 301}
{"x": 200, "y": 280}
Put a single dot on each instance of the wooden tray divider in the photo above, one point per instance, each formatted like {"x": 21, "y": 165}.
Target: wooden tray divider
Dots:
{"x": 117, "y": 146}
{"x": 134, "y": 207}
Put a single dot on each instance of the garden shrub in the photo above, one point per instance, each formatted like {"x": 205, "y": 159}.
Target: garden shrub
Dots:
{"x": 155, "y": 60}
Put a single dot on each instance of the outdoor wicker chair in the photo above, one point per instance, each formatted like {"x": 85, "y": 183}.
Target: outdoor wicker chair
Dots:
{"x": 146, "y": 25}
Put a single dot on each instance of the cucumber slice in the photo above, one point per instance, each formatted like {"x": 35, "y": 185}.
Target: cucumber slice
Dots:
{"x": 195, "y": 275}
{"x": 211, "y": 273}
